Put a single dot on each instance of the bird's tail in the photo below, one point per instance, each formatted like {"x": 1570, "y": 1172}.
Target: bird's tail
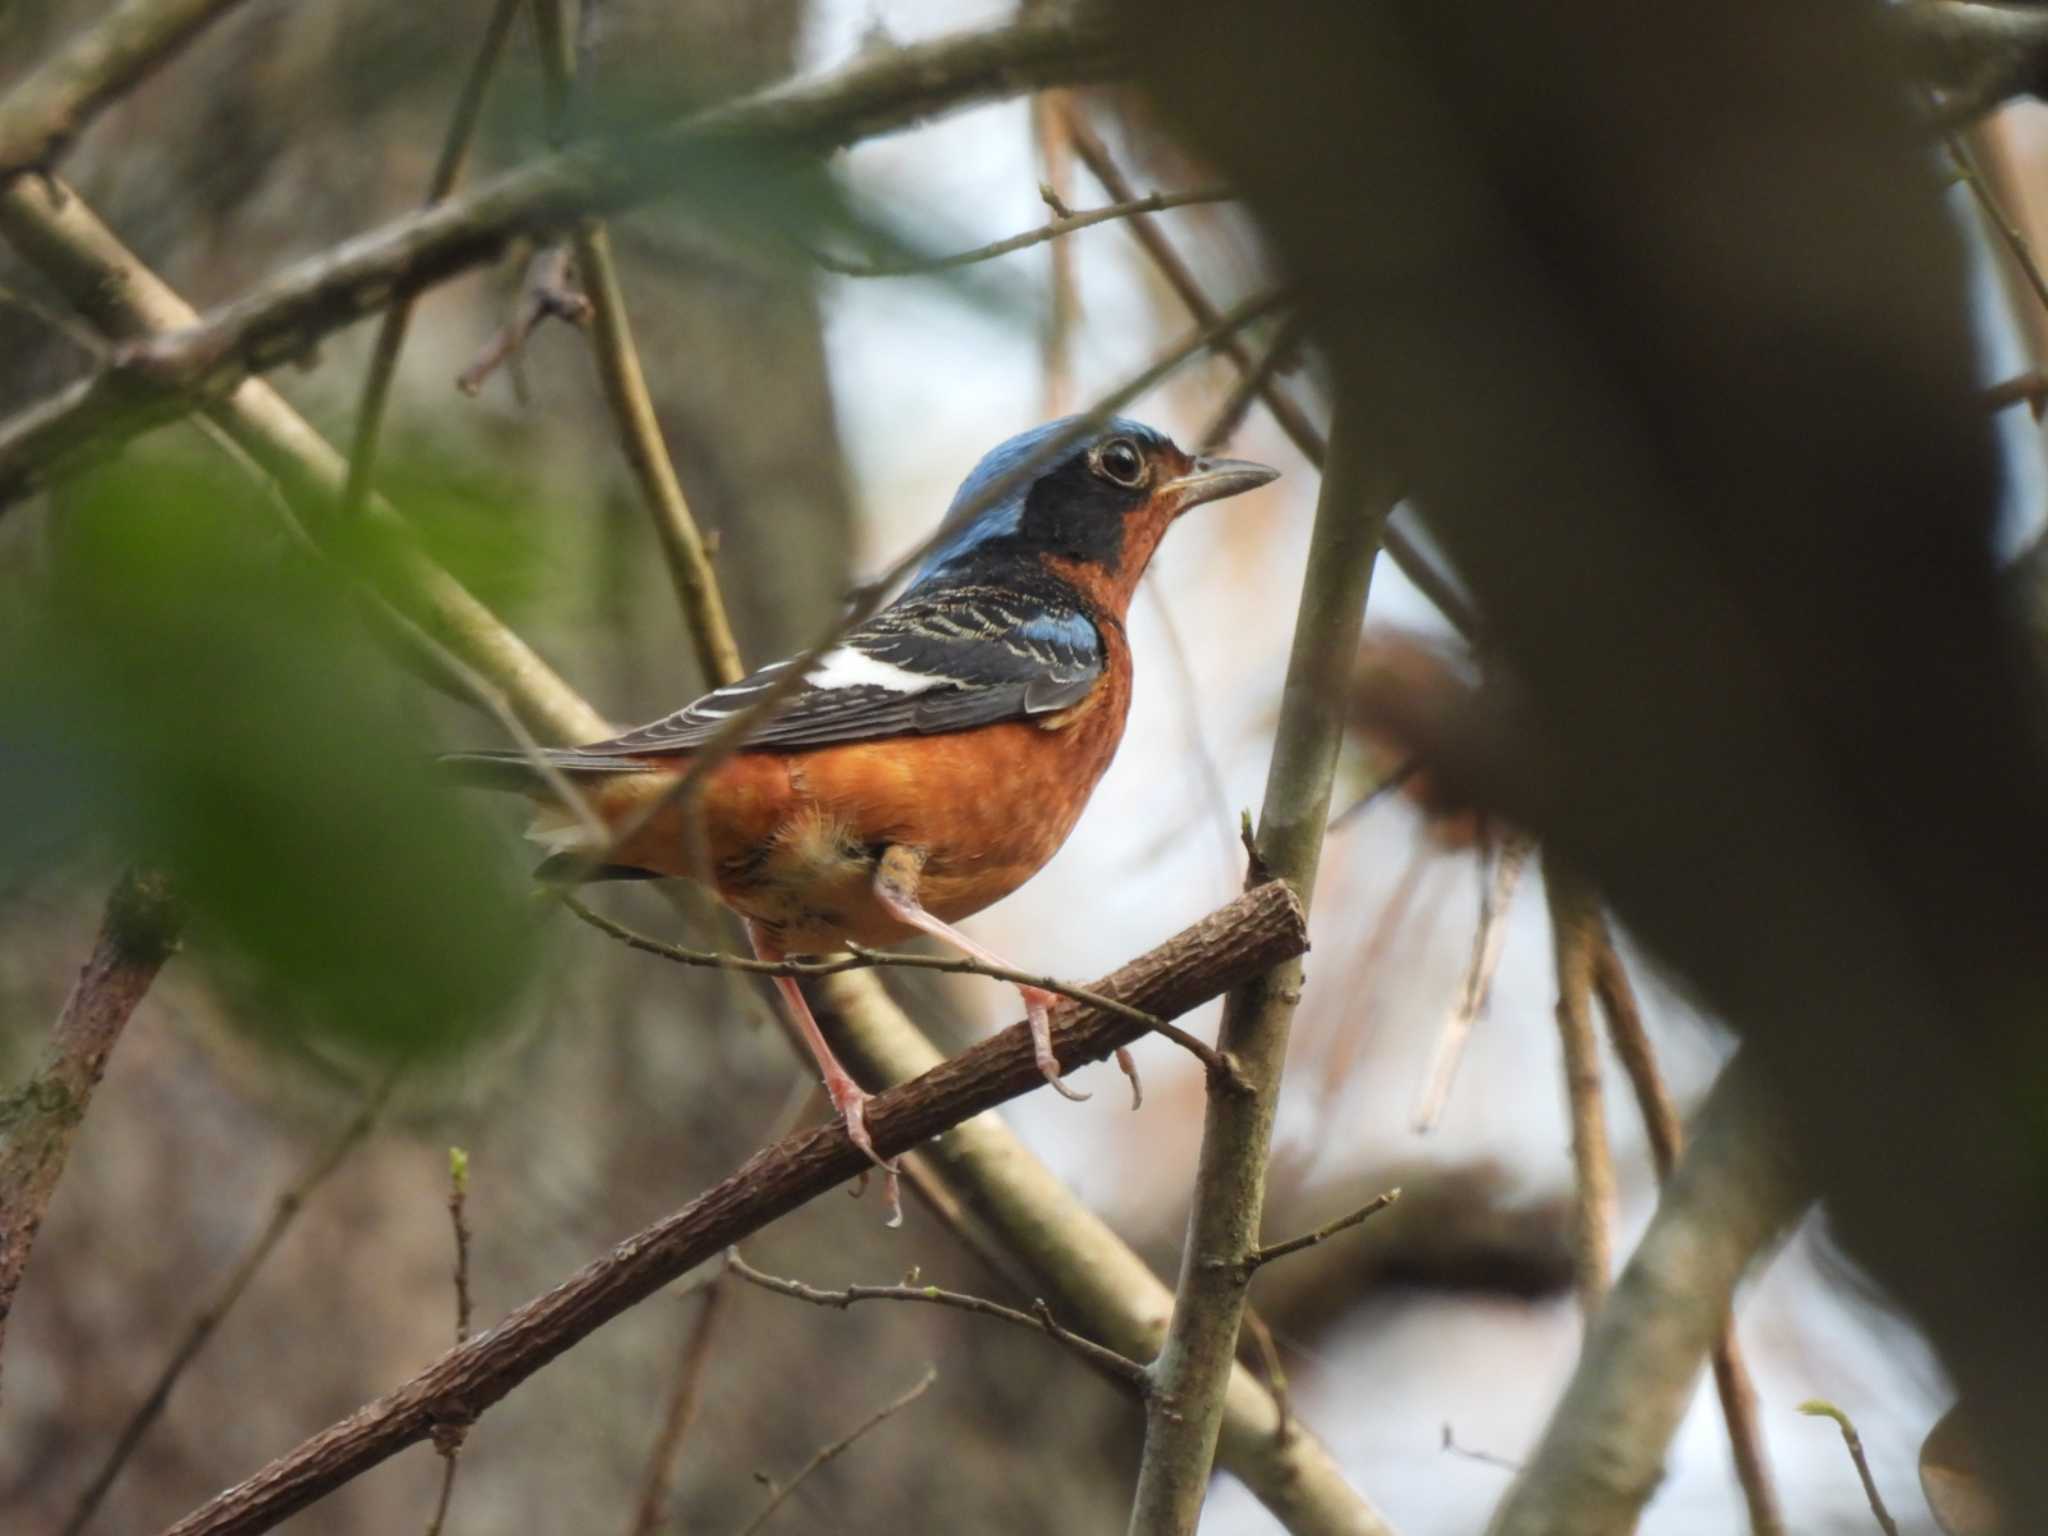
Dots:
{"x": 565, "y": 836}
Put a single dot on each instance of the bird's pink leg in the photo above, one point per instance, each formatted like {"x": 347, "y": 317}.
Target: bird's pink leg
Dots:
{"x": 896, "y": 889}
{"x": 848, "y": 1097}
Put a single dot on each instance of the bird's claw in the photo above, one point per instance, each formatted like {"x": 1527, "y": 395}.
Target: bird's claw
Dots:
{"x": 851, "y": 1100}
{"x": 1038, "y": 1007}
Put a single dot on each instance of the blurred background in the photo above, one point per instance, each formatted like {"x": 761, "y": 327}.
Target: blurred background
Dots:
{"x": 820, "y": 424}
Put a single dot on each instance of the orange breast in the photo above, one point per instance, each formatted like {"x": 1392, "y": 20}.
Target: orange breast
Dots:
{"x": 792, "y": 837}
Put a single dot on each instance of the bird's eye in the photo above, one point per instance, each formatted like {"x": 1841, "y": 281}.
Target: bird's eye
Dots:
{"x": 1120, "y": 461}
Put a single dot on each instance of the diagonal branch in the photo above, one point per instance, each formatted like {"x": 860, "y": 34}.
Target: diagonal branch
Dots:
{"x": 1184, "y": 1419}
{"x": 1244, "y": 939}
{"x": 43, "y": 113}
{"x": 39, "y": 1120}
{"x": 784, "y": 127}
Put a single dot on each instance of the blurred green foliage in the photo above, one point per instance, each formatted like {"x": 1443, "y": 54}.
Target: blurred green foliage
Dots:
{"x": 192, "y": 691}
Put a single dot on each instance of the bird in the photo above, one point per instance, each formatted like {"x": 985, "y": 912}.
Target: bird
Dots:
{"x": 934, "y": 758}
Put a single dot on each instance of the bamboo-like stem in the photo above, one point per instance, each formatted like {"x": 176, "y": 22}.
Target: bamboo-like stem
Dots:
{"x": 284, "y": 319}
{"x": 1574, "y": 916}
{"x": 47, "y": 109}
{"x": 1193, "y": 1371}
{"x": 39, "y": 1120}
{"x": 469, "y": 101}
{"x": 1732, "y": 1383}
{"x": 1244, "y": 939}
{"x": 1735, "y": 1191}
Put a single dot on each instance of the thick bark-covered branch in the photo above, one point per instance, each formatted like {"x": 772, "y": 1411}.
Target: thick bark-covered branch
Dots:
{"x": 38, "y": 1121}
{"x": 1737, "y": 1189}
{"x": 285, "y": 319}
{"x": 1253, "y": 933}
{"x": 1184, "y": 1417}
{"x": 46, "y": 111}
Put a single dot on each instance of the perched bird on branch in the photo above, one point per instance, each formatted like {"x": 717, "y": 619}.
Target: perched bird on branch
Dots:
{"x": 931, "y": 762}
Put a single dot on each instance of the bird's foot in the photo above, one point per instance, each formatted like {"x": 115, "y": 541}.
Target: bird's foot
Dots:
{"x": 851, "y": 1100}
{"x": 1038, "y": 1008}
{"x": 1129, "y": 1064}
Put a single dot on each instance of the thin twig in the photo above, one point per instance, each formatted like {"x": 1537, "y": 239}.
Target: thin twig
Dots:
{"x": 1631, "y": 1042}
{"x": 1489, "y": 938}
{"x": 283, "y": 1212}
{"x": 1194, "y": 1368}
{"x": 1066, "y": 224}
{"x": 781, "y": 1491}
{"x": 1251, "y": 384}
{"x": 452, "y": 1429}
{"x": 1820, "y": 1408}
{"x": 2029, "y": 389}
{"x": 45, "y": 111}
{"x": 1126, "y": 1373}
{"x": 1322, "y": 1234}
{"x": 861, "y": 958}
{"x": 632, "y": 407}
{"x": 138, "y": 932}
{"x": 687, "y": 1391}
{"x": 548, "y": 289}
{"x": 469, "y": 101}
{"x": 1574, "y": 917}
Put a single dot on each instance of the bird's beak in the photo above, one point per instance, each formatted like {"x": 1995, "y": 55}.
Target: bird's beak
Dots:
{"x": 1215, "y": 479}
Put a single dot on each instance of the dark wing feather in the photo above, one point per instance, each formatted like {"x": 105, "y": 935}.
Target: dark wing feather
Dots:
{"x": 946, "y": 661}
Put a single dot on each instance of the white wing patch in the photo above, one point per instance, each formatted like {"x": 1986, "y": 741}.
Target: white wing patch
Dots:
{"x": 845, "y": 667}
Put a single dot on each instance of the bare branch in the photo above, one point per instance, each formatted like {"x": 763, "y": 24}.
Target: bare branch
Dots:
{"x": 1602, "y": 1455}
{"x": 545, "y": 291}
{"x": 283, "y": 1213}
{"x": 285, "y": 319}
{"x": 1183, "y": 1421}
{"x": 839, "y": 1447}
{"x": 1244, "y": 939}
{"x": 50, "y": 107}
{"x": 1820, "y": 1408}
{"x": 1322, "y": 1234}
{"x": 138, "y": 933}
{"x": 1574, "y": 920}
{"x": 861, "y": 958}
{"x": 1064, "y": 224}
{"x": 1125, "y": 1372}
{"x": 651, "y": 1512}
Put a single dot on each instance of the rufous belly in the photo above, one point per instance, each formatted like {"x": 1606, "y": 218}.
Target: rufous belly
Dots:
{"x": 790, "y": 840}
